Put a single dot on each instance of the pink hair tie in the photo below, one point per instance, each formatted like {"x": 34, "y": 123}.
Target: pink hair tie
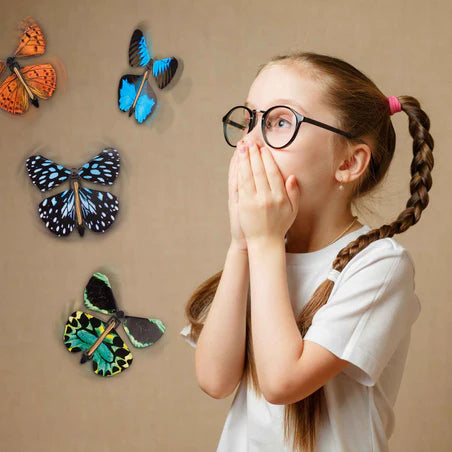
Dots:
{"x": 394, "y": 104}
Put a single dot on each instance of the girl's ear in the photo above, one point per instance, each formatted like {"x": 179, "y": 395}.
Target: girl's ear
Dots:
{"x": 355, "y": 165}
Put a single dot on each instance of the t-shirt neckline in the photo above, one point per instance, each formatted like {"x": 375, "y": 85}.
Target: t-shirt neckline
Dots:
{"x": 319, "y": 256}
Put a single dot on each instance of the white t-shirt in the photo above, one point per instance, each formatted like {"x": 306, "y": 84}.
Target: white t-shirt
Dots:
{"x": 366, "y": 321}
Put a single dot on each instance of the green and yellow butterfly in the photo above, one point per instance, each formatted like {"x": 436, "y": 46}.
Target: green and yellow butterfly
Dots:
{"x": 98, "y": 340}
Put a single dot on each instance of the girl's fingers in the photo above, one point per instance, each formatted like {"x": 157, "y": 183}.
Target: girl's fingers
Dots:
{"x": 235, "y": 178}
{"x": 274, "y": 176}
{"x": 232, "y": 178}
{"x": 245, "y": 174}
{"x": 259, "y": 173}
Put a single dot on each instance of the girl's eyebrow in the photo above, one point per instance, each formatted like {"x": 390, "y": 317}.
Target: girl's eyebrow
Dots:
{"x": 283, "y": 101}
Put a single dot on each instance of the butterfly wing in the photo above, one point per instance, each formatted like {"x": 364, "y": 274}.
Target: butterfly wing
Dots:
{"x": 139, "y": 54}
{"x": 41, "y": 79}
{"x": 98, "y": 295}
{"x": 164, "y": 70}
{"x": 13, "y": 97}
{"x": 102, "y": 169}
{"x": 127, "y": 91}
{"x": 58, "y": 213}
{"x": 32, "y": 41}
{"x": 111, "y": 357}
{"x": 146, "y": 103}
{"x": 45, "y": 173}
{"x": 143, "y": 332}
{"x": 99, "y": 208}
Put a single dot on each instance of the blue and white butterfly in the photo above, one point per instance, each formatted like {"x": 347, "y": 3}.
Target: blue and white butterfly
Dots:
{"x": 77, "y": 206}
{"x": 135, "y": 93}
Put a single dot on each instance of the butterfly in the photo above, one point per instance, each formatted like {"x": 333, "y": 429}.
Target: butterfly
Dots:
{"x": 135, "y": 93}
{"x": 98, "y": 340}
{"x": 77, "y": 206}
{"x": 26, "y": 84}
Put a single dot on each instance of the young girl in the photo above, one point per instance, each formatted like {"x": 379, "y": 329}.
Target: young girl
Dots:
{"x": 312, "y": 312}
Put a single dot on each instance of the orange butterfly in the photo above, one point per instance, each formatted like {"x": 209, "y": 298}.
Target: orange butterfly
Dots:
{"x": 30, "y": 82}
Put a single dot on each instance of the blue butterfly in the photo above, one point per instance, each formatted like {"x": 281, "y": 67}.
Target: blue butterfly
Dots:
{"x": 77, "y": 206}
{"x": 135, "y": 93}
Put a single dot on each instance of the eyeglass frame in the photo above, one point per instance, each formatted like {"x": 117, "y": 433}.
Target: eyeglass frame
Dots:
{"x": 299, "y": 117}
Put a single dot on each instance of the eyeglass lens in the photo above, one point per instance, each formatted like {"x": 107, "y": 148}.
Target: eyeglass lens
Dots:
{"x": 279, "y": 127}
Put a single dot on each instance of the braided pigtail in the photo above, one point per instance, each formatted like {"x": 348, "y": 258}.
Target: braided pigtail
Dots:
{"x": 303, "y": 415}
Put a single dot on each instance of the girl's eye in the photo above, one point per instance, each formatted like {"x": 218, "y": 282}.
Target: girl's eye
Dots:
{"x": 277, "y": 123}
{"x": 282, "y": 121}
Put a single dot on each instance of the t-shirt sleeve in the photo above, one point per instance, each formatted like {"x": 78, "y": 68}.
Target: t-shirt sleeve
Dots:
{"x": 186, "y": 330}
{"x": 371, "y": 308}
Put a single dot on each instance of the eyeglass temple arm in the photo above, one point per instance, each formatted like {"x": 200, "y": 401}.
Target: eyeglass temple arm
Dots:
{"x": 309, "y": 120}
{"x": 326, "y": 126}
{"x": 235, "y": 124}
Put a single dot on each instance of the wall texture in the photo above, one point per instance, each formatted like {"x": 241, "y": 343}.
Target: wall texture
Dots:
{"x": 172, "y": 230}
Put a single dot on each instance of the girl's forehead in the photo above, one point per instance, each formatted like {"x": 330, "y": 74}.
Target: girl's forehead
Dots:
{"x": 285, "y": 82}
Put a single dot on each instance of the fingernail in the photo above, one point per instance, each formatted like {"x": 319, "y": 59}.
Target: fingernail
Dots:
{"x": 243, "y": 148}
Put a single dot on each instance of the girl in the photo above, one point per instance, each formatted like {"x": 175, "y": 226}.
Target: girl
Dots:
{"x": 312, "y": 312}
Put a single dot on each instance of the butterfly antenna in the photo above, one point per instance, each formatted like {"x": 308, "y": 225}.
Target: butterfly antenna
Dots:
{"x": 81, "y": 230}
{"x": 35, "y": 102}
{"x": 131, "y": 111}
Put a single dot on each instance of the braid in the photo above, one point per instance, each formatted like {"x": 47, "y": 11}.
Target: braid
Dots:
{"x": 420, "y": 184}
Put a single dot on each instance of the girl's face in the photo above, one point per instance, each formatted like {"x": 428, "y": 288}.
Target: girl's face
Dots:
{"x": 310, "y": 157}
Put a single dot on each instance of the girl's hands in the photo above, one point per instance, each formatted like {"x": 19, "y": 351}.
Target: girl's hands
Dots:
{"x": 238, "y": 238}
{"x": 267, "y": 205}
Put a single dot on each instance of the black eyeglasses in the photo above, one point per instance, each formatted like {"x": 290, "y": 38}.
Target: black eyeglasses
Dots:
{"x": 280, "y": 125}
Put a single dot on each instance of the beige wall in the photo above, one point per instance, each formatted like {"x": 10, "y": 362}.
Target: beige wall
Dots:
{"x": 172, "y": 230}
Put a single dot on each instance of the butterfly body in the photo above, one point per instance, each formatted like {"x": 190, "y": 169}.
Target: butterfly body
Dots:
{"x": 135, "y": 93}
{"x": 111, "y": 325}
{"x": 142, "y": 81}
{"x": 74, "y": 181}
{"x": 27, "y": 84}
{"x": 77, "y": 206}
{"x": 99, "y": 341}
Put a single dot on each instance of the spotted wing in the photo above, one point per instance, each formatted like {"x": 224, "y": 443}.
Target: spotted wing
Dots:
{"x": 32, "y": 41}
{"x": 102, "y": 169}
{"x": 111, "y": 357}
{"x": 13, "y": 97}
{"x": 98, "y": 295}
{"x": 45, "y": 173}
{"x": 139, "y": 54}
{"x": 99, "y": 208}
{"x": 164, "y": 70}
{"x": 143, "y": 332}
{"x": 146, "y": 103}
{"x": 41, "y": 79}
{"x": 58, "y": 213}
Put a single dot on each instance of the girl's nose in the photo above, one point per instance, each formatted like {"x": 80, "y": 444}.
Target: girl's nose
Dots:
{"x": 255, "y": 136}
